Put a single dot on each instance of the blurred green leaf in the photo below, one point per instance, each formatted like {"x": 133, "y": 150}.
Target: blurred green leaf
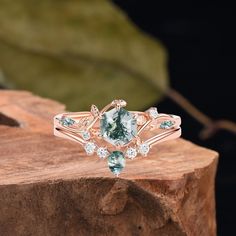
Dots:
{"x": 80, "y": 52}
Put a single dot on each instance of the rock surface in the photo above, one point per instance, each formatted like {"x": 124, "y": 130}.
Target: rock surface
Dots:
{"x": 48, "y": 186}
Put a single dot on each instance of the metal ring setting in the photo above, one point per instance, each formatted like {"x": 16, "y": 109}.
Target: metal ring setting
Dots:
{"x": 115, "y": 134}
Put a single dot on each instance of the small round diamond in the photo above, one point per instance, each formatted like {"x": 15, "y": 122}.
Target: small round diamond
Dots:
{"x": 131, "y": 152}
{"x": 86, "y": 135}
{"x": 153, "y": 113}
{"x": 90, "y": 148}
{"x": 119, "y": 102}
{"x": 144, "y": 149}
{"x": 141, "y": 120}
{"x": 102, "y": 152}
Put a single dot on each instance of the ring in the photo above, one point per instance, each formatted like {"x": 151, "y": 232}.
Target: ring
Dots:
{"x": 115, "y": 133}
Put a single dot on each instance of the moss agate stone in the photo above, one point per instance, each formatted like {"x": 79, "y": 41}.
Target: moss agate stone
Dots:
{"x": 118, "y": 126}
{"x": 116, "y": 162}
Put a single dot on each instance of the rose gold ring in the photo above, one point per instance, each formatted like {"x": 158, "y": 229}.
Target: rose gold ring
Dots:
{"x": 130, "y": 133}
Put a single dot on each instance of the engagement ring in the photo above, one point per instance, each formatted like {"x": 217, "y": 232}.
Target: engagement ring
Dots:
{"x": 115, "y": 134}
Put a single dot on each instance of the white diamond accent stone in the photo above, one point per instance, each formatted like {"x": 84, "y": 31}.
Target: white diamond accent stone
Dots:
{"x": 102, "y": 152}
{"x": 141, "y": 120}
{"x": 86, "y": 135}
{"x": 90, "y": 148}
{"x": 119, "y": 102}
{"x": 131, "y": 152}
{"x": 143, "y": 149}
{"x": 153, "y": 113}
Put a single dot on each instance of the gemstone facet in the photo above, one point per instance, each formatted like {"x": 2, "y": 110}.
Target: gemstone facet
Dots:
{"x": 116, "y": 162}
{"x": 131, "y": 152}
{"x": 118, "y": 126}
{"x": 166, "y": 124}
{"x": 90, "y": 148}
{"x": 102, "y": 152}
{"x": 143, "y": 149}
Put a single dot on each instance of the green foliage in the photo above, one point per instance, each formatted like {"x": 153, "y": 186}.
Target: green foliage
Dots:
{"x": 79, "y": 52}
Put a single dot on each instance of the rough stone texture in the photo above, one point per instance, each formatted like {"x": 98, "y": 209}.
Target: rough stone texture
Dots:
{"x": 49, "y": 187}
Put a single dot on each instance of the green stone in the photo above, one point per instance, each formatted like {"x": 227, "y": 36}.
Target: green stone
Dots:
{"x": 116, "y": 162}
{"x": 166, "y": 124}
{"x": 118, "y": 126}
{"x": 67, "y": 121}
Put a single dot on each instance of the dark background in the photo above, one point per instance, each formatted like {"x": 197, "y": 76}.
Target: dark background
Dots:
{"x": 201, "y": 47}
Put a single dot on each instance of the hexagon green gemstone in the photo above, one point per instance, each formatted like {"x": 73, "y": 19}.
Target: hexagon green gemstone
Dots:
{"x": 116, "y": 162}
{"x": 118, "y": 126}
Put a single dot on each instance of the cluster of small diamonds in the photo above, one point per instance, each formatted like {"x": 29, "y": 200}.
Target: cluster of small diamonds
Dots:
{"x": 91, "y": 148}
{"x": 132, "y": 152}
{"x": 102, "y": 152}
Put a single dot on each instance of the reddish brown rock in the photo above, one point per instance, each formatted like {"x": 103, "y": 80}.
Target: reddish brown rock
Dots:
{"x": 48, "y": 186}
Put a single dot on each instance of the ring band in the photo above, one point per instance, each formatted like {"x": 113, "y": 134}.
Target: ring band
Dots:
{"x": 130, "y": 133}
